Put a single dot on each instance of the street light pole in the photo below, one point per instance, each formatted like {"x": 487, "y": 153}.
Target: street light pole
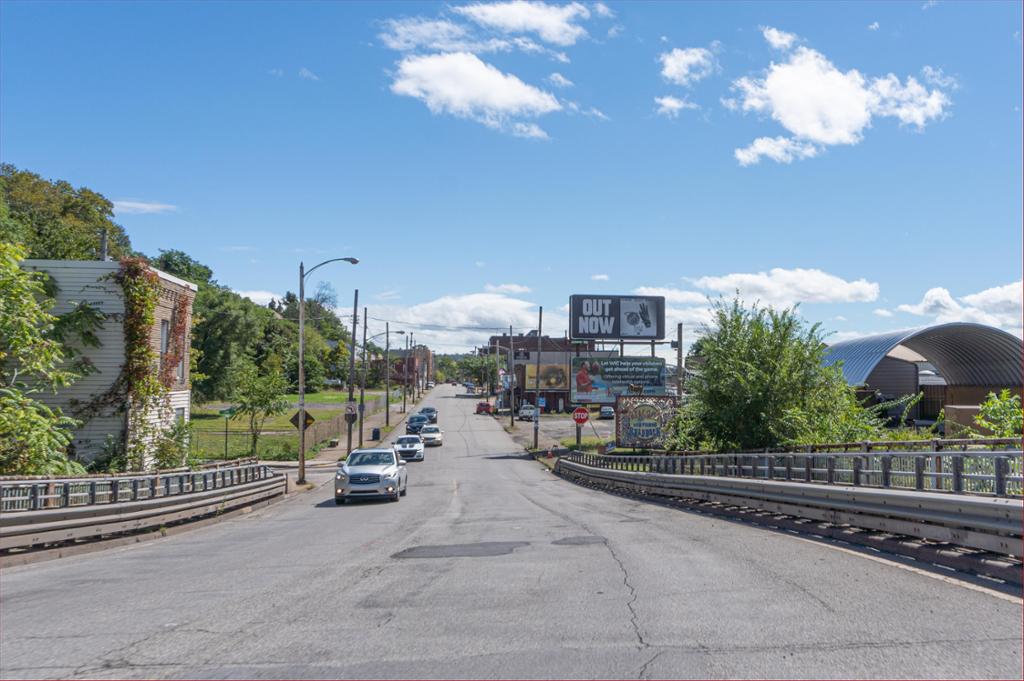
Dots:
{"x": 536, "y": 381}
{"x": 302, "y": 359}
{"x": 511, "y": 379}
{"x": 405, "y": 373}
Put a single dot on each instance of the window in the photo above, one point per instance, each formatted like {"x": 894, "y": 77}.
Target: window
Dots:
{"x": 179, "y": 414}
{"x": 165, "y": 335}
{"x": 181, "y": 367}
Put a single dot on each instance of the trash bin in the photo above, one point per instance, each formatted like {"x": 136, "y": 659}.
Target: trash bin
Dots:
{"x": 375, "y": 434}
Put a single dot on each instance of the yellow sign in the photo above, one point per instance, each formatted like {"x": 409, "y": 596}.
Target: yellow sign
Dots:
{"x": 552, "y": 377}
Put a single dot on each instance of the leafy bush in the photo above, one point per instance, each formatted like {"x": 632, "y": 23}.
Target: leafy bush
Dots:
{"x": 1001, "y": 415}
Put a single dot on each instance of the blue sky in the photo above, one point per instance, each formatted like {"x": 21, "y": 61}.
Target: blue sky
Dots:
{"x": 863, "y": 159}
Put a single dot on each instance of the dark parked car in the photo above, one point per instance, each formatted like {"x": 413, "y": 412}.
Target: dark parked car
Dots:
{"x": 430, "y": 413}
{"x": 415, "y": 423}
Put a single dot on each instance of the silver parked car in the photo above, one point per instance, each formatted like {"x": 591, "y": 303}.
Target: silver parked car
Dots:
{"x": 409, "y": 447}
{"x": 371, "y": 473}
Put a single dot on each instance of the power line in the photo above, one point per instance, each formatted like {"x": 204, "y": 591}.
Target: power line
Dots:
{"x": 442, "y": 327}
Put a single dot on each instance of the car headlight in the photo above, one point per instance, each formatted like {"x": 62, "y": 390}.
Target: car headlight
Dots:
{"x": 341, "y": 476}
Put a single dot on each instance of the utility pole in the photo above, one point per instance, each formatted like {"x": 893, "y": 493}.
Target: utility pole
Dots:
{"x": 511, "y": 379}
{"x": 352, "y": 365}
{"x": 362, "y": 384}
{"x": 415, "y": 369}
{"x": 301, "y": 479}
{"x": 387, "y": 374}
{"x": 405, "y": 372}
{"x": 536, "y": 380}
{"x": 679, "y": 360}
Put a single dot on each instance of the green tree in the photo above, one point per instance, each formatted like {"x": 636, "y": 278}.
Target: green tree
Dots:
{"x": 54, "y": 220}
{"x": 259, "y": 396}
{"x": 762, "y": 384}
{"x": 1001, "y": 415}
{"x": 445, "y": 368}
{"x": 33, "y": 437}
{"x": 182, "y": 265}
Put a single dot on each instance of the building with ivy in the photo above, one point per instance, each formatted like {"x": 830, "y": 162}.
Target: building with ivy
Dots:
{"x": 127, "y": 330}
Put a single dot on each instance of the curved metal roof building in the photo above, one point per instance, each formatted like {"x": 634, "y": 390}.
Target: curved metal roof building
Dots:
{"x": 964, "y": 354}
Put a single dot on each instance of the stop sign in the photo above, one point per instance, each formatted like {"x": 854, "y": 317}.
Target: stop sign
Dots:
{"x": 580, "y": 415}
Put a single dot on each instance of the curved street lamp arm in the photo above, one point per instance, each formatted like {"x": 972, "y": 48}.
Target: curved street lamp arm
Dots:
{"x": 354, "y": 261}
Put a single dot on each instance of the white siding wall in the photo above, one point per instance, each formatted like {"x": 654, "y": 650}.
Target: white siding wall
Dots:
{"x": 84, "y": 281}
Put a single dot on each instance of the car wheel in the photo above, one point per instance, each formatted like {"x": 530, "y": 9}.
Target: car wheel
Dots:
{"x": 404, "y": 490}
{"x": 338, "y": 501}
{"x": 396, "y": 497}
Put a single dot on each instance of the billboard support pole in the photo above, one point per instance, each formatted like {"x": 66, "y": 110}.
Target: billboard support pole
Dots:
{"x": 679, "y": 360}
{"x": 652, "y": 349}
{"x": 536, "y": 379}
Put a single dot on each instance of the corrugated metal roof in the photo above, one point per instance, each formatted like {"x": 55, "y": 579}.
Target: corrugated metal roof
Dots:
{"x": 964, "y": 354}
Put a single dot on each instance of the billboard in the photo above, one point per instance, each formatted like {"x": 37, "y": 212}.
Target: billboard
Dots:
{"x": 616, "y": 317}
{"x": 643, "y": 421}
{"x": 600, "y": 379}
{"x": 552, "y": 377}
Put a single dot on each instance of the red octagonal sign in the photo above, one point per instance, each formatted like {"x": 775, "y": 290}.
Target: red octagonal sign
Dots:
{"x": 580, "y": 415}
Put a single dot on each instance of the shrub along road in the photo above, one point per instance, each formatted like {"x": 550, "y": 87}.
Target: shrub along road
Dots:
{"x": 493, "y": 567}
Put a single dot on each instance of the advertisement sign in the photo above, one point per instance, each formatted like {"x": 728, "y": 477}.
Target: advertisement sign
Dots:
{"x": 642, "y": 421}
{"x": 616, "y": 317}
{"x": 598, "y": 380}
{"x": 552, "y": 377}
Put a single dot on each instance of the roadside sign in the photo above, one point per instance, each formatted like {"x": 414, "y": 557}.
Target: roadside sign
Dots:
{"x": 542, "y": 402}
{"x": 227, "y": 413}
{"x": 295, "y": 420}
{"x": 351, "y": 408}
{"x": 580, "y": 415}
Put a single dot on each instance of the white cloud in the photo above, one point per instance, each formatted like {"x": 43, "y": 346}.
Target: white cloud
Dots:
{"x": 277, "y": 73}
{"x": 388, "y": 295}
{"x": 556, "y": 24}
{"x": 782, "y": 287}
{"x": 507, "y": 288}
{"x": 671, "y": 106}
{"x": 874, "y": 26}
{"x": 1000, "y": 306}
{"x": 480, "y": 263}
{"x": 599, "y": 277}
{"x": 687, "y": 66}
{"x": 821, "y": 105}
{"x": 462, "y": 85}
{"x": 602, "y": 10}
{"x": 673, "y": 295}
{"x": 929, "y": 4}
{"x": 882, "y": 312}
{"x": 558, "y": 80}
{"x": 306, "y": 74}
{"x": 238, "y": 249}
{"x": 615, "y": 31}
{"x": 260, "y": 297}
{"x": 839, "y": 318}
{"x": 416, "y": 33}
{"x": 938, "y": 78}
{"x": 132, "y": 206}
{"x": 778, "y": 149}
{"x": 459, "y": 323}
{"x": 780, "y": 40}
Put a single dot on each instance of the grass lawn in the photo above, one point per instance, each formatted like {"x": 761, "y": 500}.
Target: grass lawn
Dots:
{"x": 209, "y": 420}
{"x": 588, "y": 443}
{"x": 332, "y": 396}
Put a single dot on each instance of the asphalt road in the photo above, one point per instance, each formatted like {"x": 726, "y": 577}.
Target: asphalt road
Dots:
{"x": 493, "y": 567}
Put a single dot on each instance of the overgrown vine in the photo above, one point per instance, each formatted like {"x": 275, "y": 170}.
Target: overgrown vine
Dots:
{"x": 177, "y": 343}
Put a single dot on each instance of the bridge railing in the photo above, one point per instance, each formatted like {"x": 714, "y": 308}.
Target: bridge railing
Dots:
{"x": 978, "y": 472}
{"x": 41, "y": 493}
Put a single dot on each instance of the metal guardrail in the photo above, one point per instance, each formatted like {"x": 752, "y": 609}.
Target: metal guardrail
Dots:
{"x": 988, "y": 523}
{"x": 38, "y": 511}
{"x": 995, "y": 473}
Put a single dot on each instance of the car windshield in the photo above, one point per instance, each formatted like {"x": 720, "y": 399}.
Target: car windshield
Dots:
{"x": 408, "y": 440}
{"x": 371, "y": 459}
{"x": 417, "y": 419}
{"x": 431, "y": 429}
{"x": 428, "y": 410}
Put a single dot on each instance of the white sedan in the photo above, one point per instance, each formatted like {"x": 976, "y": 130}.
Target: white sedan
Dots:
{"x": 432, "y": 435}
{"x": 409, "y": 447}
